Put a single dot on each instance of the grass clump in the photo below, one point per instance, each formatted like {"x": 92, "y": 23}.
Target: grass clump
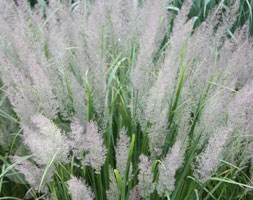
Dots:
{"x": 124, "y": 100}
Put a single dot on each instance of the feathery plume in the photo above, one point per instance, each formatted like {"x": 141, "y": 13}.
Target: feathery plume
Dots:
{"x": 113, "y": 193}
{"x": 79, "y": 190}
{"x": 148, "y": 45}
{"x": 95, "y": 150}
{"x": 154, "y": 113}
{"x": 46, "y": 141}
{"x": 181, "y": 30}
{"x": 157, "y": 131}
{"x": 240, "y": 109}
{"x": 77, "y": 138}
{"x": 167, "y": 170}
{"x": 213, "y": 116}
{"x": 124, "y": 23}
{"x": 208, "y": 161}
{"x": 240, "y": 118}
{"x": 134, "y": 194}
{"x": 24, "y": 64}
{"x": 79, "y": 99}
{"x": 89, "y": 142}
{"x": 32, "y": 173}
{"x": 122, "y": 150}
{"x": 146, "y": 185}
{"x": 96, "y": 22}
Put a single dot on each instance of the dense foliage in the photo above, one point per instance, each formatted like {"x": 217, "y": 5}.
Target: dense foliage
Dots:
{"x": 126, "y": 99}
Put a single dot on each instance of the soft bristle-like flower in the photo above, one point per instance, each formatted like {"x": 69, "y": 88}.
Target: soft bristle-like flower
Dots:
{"x": 79, "y": 99}
{"x": 95, "y": 150}
{"x": 113, "y": 193}
{"x": 240, "y": 118}
{"x": 46, "y": 141}
{"x": 90, "y": 143}
{"x": 149, "y": 41}
{"x": 77, "y": 138}
{"x": 122, "y": 150}
{"x": 79, "y": 190}
{"x": 145, "y": 177}
{"x": 32, "y": 174}
{"x": 167, "y": 170}
{"x": 208, "y": 161}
